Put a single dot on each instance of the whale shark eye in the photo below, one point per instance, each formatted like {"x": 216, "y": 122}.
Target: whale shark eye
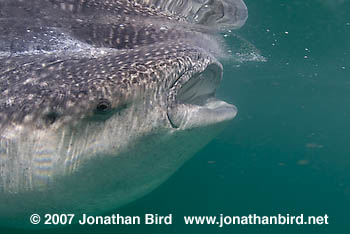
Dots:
{"x": 103, "y": 106}
{"x": 51, "y": 117}
{"x": 104, "y": 111}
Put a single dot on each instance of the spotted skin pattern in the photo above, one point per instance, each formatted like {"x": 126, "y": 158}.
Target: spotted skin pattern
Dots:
{"x": 63, "y": 66}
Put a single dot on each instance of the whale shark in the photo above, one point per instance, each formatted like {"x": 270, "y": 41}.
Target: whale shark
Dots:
{"x": 102, "y": 100}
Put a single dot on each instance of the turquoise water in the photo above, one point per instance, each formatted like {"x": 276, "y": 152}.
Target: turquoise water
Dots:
{"x": 287, "y": 151}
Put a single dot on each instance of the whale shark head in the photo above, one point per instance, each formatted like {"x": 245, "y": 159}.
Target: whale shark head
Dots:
{"x": 102, "y": 101}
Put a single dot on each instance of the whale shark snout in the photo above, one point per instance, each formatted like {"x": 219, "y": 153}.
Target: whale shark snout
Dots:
{"x": 102, "y": 101}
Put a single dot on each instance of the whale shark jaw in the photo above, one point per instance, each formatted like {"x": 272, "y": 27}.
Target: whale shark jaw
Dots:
{"x": 192, "y": 101}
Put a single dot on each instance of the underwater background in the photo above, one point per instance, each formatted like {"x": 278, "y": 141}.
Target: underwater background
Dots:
{"x": 288, "y": 149}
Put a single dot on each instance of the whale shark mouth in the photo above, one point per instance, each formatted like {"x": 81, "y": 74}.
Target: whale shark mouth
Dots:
{"x": 192, "y": 101}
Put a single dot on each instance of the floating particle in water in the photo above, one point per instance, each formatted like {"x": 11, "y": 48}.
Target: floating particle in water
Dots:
{"x": 347, "y": 191}
{"x": 303, "y": 162}
{"x": 348, "y": 23}
{"x": 267, "y": 30}
{"x": 343, "y": 68}
{"x": 286, "y": 33}
{"x": 307, "y": 49}
{"x": 314, "y": 146}
{"x": 305, "y": 57}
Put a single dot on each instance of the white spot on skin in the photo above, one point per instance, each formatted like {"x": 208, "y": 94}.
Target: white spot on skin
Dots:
{"x": 10, "y": 101}
{"x": 28, "y": 81}
{"x": 63, "y": 6}
{"x": 69, "y": 104}
{"x": 43, "y": 84}
{"x": 71, "y": 7}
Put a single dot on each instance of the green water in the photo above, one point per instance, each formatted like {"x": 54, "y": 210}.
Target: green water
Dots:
{"x": 288, "y": 149}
